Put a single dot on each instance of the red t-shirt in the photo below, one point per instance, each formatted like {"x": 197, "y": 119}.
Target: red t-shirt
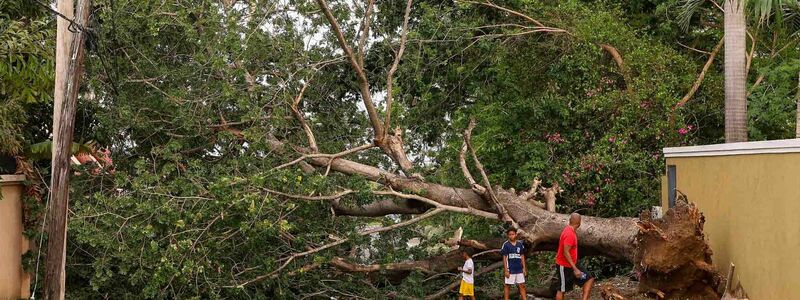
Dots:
{"x": 568, "y": 237}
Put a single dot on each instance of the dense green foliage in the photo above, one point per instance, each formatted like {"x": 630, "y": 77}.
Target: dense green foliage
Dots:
{"x": 27, "y": 46}
{"x": 186, "y": 97}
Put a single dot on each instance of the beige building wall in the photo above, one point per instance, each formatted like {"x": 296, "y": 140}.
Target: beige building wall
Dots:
{"x": 14, "y": 282}
{"x": 751, "y": 201}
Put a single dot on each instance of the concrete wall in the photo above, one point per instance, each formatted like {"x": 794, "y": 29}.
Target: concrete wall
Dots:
{"x": 14, "y": 282}
{"x": 751, "y": 200}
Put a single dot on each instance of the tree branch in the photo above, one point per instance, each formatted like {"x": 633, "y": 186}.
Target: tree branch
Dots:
{"x": 513, "y": 12}
{"x": 344, "y": 153}
{"x": 697, "y": 82}
{"x": 465, "y": 210}
{"x": 312, "y": 142}
{"x": 389, "y": 80}
{"x": 289, "y": 259}
{"x": 330, "y": 157}
{"x": 753, "y": 43}
{"x": 362, "y": 77}
{"x": 381, "y": 208}
{"x": 621, "y": 64}
{"x": 491, "y": 195}
{"x": 313, "y": 198}
{"x": 462, "y": 161}
{"x": 420, "y": 265}
{"x": 540, "y": 27}
{"x": 365, "y": 31}
{"x": 474, "y": 244}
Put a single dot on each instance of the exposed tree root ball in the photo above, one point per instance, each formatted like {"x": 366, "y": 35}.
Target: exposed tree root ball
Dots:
{"x": 673, "y": 258}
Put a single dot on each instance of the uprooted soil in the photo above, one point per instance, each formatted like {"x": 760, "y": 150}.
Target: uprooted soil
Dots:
{"x": 673, "y": 258}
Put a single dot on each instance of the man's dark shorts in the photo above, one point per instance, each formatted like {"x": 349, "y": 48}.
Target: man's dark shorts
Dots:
{"x": 565, "y": 278}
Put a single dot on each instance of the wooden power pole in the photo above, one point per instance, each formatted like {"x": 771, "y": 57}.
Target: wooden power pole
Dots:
{"x": 69, "y": 67}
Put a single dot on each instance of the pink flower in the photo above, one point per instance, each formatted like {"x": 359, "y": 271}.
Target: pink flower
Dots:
{"x": 568, "y": 179}
{"x": 612, "y": 139}
{"x": 554, "y": 138}
{"x": 590, "y": 199}
{"x": 683, "y": 131}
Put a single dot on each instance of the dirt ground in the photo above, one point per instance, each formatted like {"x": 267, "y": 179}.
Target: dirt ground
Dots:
{"x": 625, "y": 287}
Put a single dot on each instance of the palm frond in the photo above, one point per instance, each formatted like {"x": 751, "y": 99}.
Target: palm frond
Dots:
{"x": 791, "y": 17}
{"x": 686, "y": 10}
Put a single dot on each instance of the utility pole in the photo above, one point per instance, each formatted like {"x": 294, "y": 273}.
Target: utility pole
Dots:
{"x": 69, "y": 67}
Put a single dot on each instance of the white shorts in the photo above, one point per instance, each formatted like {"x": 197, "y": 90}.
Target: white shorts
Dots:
{"x": 515, "y": 279}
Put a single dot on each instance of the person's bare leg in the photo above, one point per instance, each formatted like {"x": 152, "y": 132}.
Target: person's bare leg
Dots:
{"x": 472, "y": 297}
{"x": 522, "y": 293}
{"x": 587, "y": 288}
{"x": 559, "y": 295}
{"x": 460, "y": 297}
{"x": 506, "y": 291}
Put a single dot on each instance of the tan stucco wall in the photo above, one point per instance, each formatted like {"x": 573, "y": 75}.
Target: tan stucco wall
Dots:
{"x": 14, "y": 282}
{"x": 752, "y": 208}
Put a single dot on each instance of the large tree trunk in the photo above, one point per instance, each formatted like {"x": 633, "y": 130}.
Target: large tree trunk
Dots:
{"x": 659, "y": 247}
{"x": 735, "y": 74}
{"x": 610, "y": 237}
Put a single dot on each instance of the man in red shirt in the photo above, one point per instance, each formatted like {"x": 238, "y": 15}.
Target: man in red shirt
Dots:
{"x": 567, "y": 271}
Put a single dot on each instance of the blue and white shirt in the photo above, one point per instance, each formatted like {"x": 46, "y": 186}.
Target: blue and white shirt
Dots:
{"x": 514, "y": 253}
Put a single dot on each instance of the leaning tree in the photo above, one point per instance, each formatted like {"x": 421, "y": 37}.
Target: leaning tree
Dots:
{"x": 666, "y": 249}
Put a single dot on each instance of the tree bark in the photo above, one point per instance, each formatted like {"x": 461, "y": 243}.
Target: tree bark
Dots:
{"x": 735, "y": 75}
{"x": 66, "y": 95}
{"x": 610, "y": 237}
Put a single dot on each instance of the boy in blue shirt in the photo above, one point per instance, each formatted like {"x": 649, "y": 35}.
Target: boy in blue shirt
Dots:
{"x": 514, "y": 267}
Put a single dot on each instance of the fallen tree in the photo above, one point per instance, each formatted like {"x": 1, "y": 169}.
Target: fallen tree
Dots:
{"x": 671, "y": 253}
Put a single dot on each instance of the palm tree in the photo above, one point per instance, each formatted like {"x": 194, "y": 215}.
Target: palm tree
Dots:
{"x": 735, "y": 26}
{"x": 735, "y": 75}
